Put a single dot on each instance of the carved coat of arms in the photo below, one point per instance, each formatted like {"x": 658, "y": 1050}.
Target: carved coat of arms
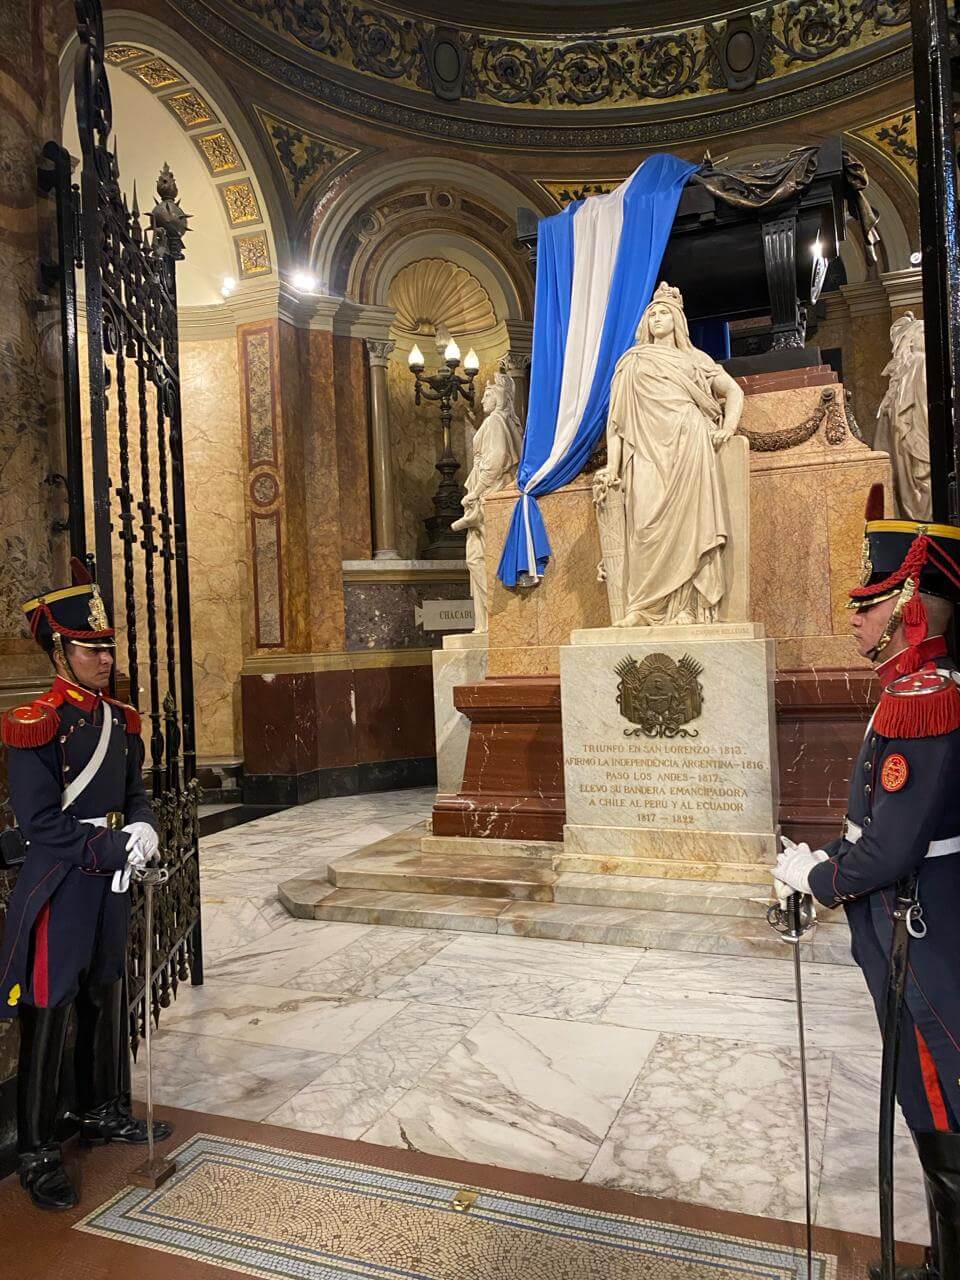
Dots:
{"x": 660, "y": 696}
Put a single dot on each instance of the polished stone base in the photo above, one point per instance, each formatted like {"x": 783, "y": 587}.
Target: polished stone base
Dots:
{"x": 282, "y": 789}
{"x": 420, "y": 881}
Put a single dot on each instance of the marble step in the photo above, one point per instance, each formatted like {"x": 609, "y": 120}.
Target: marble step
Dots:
{"x": 545, "y": 850}
{"x": 395, "y": 869}
{"x": 458, "y": 874}
{"x": 612, "y": 926}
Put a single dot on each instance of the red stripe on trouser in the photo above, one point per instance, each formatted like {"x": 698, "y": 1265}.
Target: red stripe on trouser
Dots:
{"x": 41, "y": 959}
{"x": 931, "y": 1083}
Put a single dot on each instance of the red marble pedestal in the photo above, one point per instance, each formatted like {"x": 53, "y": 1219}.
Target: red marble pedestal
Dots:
{"x": 513, "y": 776}
{"x": 821, "y": 719}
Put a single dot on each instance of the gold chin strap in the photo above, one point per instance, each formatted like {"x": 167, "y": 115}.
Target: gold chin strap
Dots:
{"x": 60, "y": 651}
{"x": 907, "y": 592}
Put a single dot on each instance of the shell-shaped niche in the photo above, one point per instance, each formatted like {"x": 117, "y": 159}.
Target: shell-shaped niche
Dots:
{"x": 435, "y": 292}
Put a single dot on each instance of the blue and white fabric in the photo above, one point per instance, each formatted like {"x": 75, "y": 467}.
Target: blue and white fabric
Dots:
{"x": 597, "y": 265}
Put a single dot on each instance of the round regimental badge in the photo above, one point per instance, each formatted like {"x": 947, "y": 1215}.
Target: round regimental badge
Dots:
{"x": 895, "y": 772}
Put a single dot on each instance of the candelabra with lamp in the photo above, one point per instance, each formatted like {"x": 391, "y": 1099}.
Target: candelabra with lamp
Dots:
{"x": 445, "y": 387}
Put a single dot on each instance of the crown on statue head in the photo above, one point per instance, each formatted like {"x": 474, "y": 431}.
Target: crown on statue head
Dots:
{"x": 667, "y": 293}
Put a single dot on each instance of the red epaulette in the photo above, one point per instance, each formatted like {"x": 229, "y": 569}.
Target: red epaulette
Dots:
{"x": 130, "y": 714}
{"x": 32, "y": 725}
{"x": 921, "y": 705}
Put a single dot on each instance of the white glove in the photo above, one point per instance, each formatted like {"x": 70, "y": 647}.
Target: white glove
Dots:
{"x": 142, "y": 835}
{"x": 794, "y": 865}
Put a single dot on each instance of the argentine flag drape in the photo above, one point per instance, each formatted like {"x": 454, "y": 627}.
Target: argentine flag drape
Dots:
{"x": 597, "y": 264}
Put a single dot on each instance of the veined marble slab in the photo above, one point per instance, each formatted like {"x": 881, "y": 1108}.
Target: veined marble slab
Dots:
{"x": 284, "y": 953}
{"x": 703, "y": 1120}
{"x": 226, "y": 1077}
{"x": 849, "y": 1199}
{"x": 373, "y": 963}
{"x": 524, "y": 1093}
{"x": 353, "y": 1093}
{"x": 278, "y": 1016}
{"x": 454, "y": 664}
{"x": 474, "y": 847}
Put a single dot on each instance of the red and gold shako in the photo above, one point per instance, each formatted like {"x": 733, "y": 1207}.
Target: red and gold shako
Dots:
{"x": 909, "y": 560}
{"x": 75, "y": 613}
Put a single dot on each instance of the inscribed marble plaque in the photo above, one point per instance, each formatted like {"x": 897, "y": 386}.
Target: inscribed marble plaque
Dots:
{"x": 669, "y": 733}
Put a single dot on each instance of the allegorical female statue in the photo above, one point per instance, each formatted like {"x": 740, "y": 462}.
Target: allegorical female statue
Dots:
{"x": 902, "y": 419}
{"x": 659, "y": 496}
{"x": 496, "y": 452}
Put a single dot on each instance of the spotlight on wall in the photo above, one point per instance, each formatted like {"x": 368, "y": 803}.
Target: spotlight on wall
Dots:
{"x": 304, "y": 281}
{"x": 916, "y": 259}
{"x": 228, "y": 286}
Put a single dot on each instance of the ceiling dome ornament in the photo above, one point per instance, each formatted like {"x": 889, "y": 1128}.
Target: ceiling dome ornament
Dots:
{"x": 435, "y": 292}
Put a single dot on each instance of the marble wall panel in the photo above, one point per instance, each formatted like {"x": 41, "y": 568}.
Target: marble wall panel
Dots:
{"x": 798, "y": 603}
{"x": 30, "y": 406}
{"x": 394, "y": 708}
{"x": 318, "y": 422}
{"x": 297, "y": 722}
{"x": 353, "y": 455}
{"x": 381, "y": 615}
{"x": 213, "y": 452}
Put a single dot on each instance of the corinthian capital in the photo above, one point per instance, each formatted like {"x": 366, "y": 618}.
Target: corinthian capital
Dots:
{"x": 378, "y": 351}
{"x": 515, "y": 363}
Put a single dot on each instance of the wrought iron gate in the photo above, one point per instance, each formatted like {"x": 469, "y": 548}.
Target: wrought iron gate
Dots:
{"x": 125, "y": 484}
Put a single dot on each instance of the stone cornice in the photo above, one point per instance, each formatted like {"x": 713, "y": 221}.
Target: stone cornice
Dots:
{"x": 904, "y": 288}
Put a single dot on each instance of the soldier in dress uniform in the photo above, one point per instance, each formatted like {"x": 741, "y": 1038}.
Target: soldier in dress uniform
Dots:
{"x": 903, "y": 821}
{"x": 74, "y": 756}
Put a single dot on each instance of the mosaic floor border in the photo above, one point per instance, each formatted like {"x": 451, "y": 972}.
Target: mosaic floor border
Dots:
{"x": 268, "y": 1211}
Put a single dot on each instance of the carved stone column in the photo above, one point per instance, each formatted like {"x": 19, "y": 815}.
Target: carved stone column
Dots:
{"x": 516, "y": 365}
{"x": 381, "y": 462}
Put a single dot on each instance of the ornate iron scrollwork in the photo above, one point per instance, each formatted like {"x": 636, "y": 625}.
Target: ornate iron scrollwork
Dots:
{"x": 133, "y": 354}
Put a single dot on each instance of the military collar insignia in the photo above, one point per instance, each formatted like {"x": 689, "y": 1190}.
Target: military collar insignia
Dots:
{"x": 74, "y": 695}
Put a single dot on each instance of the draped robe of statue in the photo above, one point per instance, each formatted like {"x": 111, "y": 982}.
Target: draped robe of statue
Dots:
{"x": 662, "y": 408}
{"x": 496, "y": 453}
{"x": 902, "y": 419}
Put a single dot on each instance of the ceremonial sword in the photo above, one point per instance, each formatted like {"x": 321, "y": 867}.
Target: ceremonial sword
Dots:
{"x": 157, "y": 1169}
{"x": 791, "y": 923}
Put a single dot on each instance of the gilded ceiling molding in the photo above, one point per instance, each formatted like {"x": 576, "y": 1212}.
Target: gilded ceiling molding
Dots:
{"x": 435, "y": 291}
{"x": 221, "y": 155}
{"x": 306, "y": 160}
{"x": 560, "y": 72}
{"x": 825, "y": 53}
{"x": 896, "y": 137}
{"x": 564, "y": 193}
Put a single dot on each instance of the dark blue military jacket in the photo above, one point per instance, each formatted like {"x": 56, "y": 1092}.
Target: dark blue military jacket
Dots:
{"x": 905, "y": 796}
{"x": 70, "y": 719}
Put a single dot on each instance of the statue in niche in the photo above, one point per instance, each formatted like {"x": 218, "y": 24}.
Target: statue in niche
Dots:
{"x": 902, "y": 419}
{"x": 496, "y": 453}
{"x": 658, "y": 499}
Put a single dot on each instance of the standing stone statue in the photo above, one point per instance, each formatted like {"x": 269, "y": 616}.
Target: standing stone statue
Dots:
{"x": 659, "y": 501}
{"x": 496, "y": 452}
{"x": 902, "y": 419}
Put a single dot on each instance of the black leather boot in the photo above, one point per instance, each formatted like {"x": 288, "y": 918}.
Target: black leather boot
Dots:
{"x": 42, "y": 1036}
{"x": 940, "y": 1156}
{"x": 105, "y": 1106}
{"x": 115, "y": 1122}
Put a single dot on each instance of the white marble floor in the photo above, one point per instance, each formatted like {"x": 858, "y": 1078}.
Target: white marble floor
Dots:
{"x": 665, "y": 1073}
